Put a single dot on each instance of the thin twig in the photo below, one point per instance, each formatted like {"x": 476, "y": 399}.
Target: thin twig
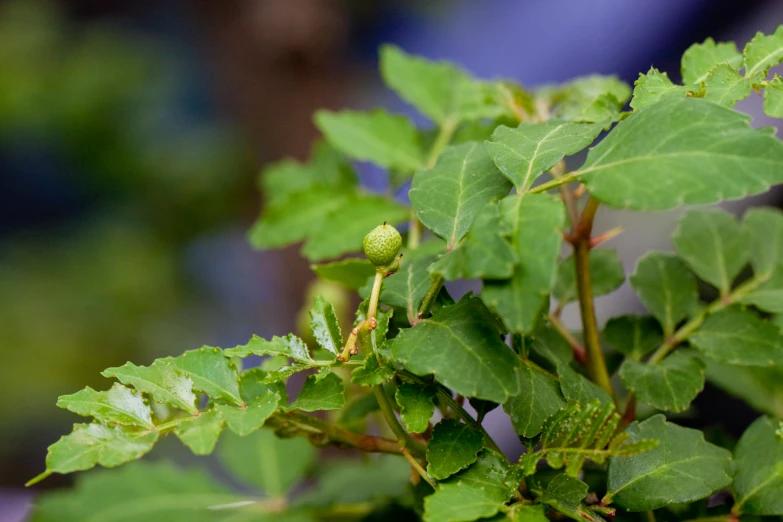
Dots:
{"x": 579, "y": 351}
{"x": 419, "y": 469}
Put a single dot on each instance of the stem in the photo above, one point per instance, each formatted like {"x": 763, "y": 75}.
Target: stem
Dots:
{"x": 335, "y": 434}
{"x": 414, "y": 231}
{"x": 596, "y": 365}
{"x": 372, "y": 309}
{"x": 579, "y": 351}
{"x": 693, "y": 324}
{"x": 562, "y": 180}
{"x": 415, "y": 465}
{"x": 404, "y": 440}
{"x": 429, "y": 298}
{"x": 443, "y": 138}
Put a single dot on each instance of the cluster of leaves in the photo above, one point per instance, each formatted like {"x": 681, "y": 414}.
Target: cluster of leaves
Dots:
{"x": 679, "y": 145}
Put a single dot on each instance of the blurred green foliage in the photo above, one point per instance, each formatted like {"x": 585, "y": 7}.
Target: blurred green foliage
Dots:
{"x": 106, "y": 285}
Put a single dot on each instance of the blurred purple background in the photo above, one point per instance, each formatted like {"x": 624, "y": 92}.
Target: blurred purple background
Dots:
{"x": 131, "y": 135}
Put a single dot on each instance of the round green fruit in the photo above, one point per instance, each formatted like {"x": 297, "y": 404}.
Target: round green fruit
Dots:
{"x": 382, "y": 245}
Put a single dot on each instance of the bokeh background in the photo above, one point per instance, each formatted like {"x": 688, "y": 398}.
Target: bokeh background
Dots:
{"x": 132, "y": 134}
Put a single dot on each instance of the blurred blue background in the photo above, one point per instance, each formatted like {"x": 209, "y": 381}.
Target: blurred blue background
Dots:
{"x": 131, "y": 135}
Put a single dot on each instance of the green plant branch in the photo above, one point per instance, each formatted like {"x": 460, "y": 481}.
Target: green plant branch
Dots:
{"x": 404, "y": 440}
{"x": 429, "y": 299}
{"x": 693, "y": 324}
{"x": 595, "y": 363}
{"x": 576, "y": 347}
{"x": 554, "y": 183}
{"x": 418, "y": 467}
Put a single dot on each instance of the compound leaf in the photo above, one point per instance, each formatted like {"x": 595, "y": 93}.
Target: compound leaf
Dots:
{"x": 700, "y": 59}
{"x": 416, "y": 406}
{"x": 372, "y": 372}
{"x": 326, "y": 393}
{"x": 440, "y": 90}
{"x": 725, "y": 86}
{"x": 448, "y": 196}
{"x": 386, "y": 140}
{"x": 210, "y": 371}
{"x": 162, "y": 382}
{"x": 576, "y": 387}
{"x": 471, "y": 357}
{"x": 454, "y": 446}
{"x": 539, "y": 398}
{"x": 289, "y": 346}
{"x": 737, "y": 336}
{"x": 564, "y": 494}
{"x": 652, "y": 87}
{"x": 524, "y": 153}
{"x": 683, "y": 468}
{"x": 773, "y": 97}
{"x": 352, "y": 273}
{"x": 759, "y": 478}
{"x": 326, "y": 329}
{"x": 669, "y": 385}
{"x": 666, "y": 288}
{"x": 533, "y": 219}
{"x": 606, "y": 275}
{"x": 118, "y": 405}
{"x": 201, "y": 433}
{"x": 764, "y": 227}
{"x": 477, "y": 492}
{"x": 91, "y": 444}
{"x": 633, "y": 335}
{"x": 713, "y": 245}
{"x": 763, "y": 52}
{"x": 682, "y": 151}
{"x": 245, "y": 420}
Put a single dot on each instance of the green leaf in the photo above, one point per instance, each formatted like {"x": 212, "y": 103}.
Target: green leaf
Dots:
{"x": 565, "y": 494}
{"x": 372, "y": 373}
{"x": 763, "y": 52}
{"x": 477, "y": 492}
{"x": 483, "y": 252}
{"x": 448, "y": 196}
{"x": 725, "y": 86}
{"x": 289, "y": 346}
{"x": 773, "y": 97}
{"x": 91, "y": 444}
{"x": 633, "y": 335}
{"x": 343, "y": 227}
{"x": 764, "y": 227}
{"x": 649, "y": 161}
{"x": 327, "y": 393}
{"x": 296, "y": 217}
{"x": 262, "y": 460}
{"x": 758, "y": 386}
{"x": 162, "y": 382}
{"x": 534, "y": 219}
{"x": 326, "y": 329}
{"x": 416, "y": 406}
{"x": 740, "y": 337}
{"x": 471, "y": 358}
{"x": 527, "y": 513}
{"x": 201, "y": 433}
{"x": 759, "y": 478}
{"x": 550, "y": 345}
{"x": 118, "y": 405}
{"x": 576, "y": 387}
{"x": 606, "y": 274}
{"x": 712, "y": 243}
{"x": 386, "y": 140}
{"x": 352, "y": 273}
{"x": 666, "y": 288}
{"x": 244, "y": 421}
{"x": 372, "y": 480}
{"x": 590, "y": 98}
{"x": 441, "y": 91}
{"x": 653, "y": 87}
{"x": 683, "y": 468}
{"x": 142, "y": 491}
{"x": 524, "y": 153}
{"x": 454, "y": 446}
{"x": 768, "y": 296}
{"x": 406, "y": 289}
{"x": 326, "y": 169}
{"x": 539, "y": 398}
{"x": 700, "y": 59}
{"x": 210, "y": 371}
{"x": 669, "y": 385}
